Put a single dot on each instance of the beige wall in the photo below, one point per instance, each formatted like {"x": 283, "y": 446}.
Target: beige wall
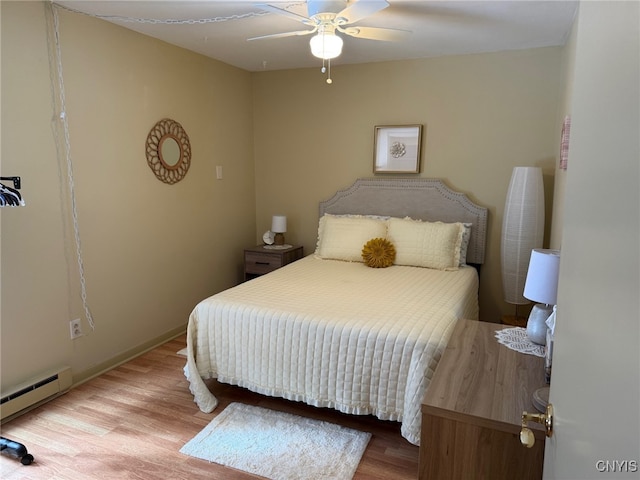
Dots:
{"x": 564, "y": 109}
{"x": 150, "y": 250}
{"x": 483, "y": 114}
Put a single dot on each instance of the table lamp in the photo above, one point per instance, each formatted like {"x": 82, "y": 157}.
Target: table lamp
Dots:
{"x": 541, "y": 286}
{"x": 279, "y": 227}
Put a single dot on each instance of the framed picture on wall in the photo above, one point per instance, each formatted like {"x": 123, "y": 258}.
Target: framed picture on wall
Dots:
{"x": 396, "y": 148}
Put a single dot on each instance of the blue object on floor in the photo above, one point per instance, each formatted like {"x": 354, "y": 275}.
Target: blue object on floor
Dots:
{"x": 15, "y": 450}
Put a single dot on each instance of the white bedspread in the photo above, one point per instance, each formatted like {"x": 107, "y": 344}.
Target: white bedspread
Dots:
{"x": 332, "y": 334}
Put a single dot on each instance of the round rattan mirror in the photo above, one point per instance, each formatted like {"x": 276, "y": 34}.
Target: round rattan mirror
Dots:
{"x": 168, "y": 151}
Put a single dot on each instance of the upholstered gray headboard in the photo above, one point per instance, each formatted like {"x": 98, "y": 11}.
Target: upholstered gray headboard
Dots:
{"x": 419, "y": 198}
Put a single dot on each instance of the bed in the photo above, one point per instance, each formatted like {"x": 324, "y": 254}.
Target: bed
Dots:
{"x": 330, "y": 331}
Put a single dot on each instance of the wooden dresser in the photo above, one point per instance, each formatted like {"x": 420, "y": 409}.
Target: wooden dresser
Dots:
{"x": 472, "y": 410}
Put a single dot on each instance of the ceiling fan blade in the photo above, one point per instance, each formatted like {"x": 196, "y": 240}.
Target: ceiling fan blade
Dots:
{"x": 285, "y": 34}
{"x": 375, "y": 33}
{"x": 363, "y": 8}
{"x": 286, "y": 13}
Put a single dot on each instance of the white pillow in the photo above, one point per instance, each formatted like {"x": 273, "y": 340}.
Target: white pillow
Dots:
{"x": 342, "y": 237}
{"x": 426, "y": 244}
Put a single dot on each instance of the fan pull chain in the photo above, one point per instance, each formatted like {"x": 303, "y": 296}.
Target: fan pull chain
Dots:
{"x": 324, "y": 70}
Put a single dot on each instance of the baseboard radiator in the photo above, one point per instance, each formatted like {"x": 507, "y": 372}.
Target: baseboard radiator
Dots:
{"x": 35, "y": 393}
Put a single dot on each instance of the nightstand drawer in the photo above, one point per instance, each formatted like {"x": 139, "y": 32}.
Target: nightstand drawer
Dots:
{"x": 260, "y": 260}
{"x": 261, "y": 263}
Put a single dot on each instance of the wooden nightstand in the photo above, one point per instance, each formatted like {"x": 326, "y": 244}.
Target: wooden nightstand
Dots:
{"x": 259, "y": 260}
{"x": 472, "y": 410}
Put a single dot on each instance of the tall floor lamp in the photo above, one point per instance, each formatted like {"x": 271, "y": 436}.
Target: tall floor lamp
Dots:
{"x": 522, "y": 231}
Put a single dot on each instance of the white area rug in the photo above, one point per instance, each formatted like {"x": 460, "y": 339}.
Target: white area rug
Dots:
{"x": 279, "y": 445}
{"x": 182, "y": 352}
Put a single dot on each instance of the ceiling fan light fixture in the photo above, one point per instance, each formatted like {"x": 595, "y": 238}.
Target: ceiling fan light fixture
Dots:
{"x": 326, "y": 45}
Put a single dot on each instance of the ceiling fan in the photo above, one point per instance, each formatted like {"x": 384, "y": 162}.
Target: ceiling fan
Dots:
{"x": 325, "y": 17}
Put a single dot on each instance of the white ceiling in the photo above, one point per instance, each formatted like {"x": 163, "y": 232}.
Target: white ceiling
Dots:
{"x": 219, "y": 28}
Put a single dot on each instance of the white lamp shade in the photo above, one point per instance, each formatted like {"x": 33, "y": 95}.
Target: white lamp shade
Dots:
{"x": 522, "y": 230}
{"x": 326, "y": 45}
{"x": 279, "y": 224}
{"x": 542, "y": 278}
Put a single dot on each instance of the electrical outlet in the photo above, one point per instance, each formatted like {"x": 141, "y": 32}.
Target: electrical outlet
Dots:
{"x": 75, "y": 328}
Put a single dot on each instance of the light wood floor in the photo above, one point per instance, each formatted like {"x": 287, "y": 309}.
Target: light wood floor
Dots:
{"x": 131, "y": 422}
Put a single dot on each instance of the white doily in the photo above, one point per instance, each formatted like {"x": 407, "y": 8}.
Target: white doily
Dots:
{"x": 516, "y": 339}
{"x": 277, "y": 247}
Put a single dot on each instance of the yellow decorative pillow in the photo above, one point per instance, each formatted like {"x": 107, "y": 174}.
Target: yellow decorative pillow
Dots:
{"x": 378, "y": 253}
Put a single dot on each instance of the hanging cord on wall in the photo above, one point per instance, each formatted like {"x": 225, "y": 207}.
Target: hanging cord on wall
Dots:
{"x": 72, "y": 192}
